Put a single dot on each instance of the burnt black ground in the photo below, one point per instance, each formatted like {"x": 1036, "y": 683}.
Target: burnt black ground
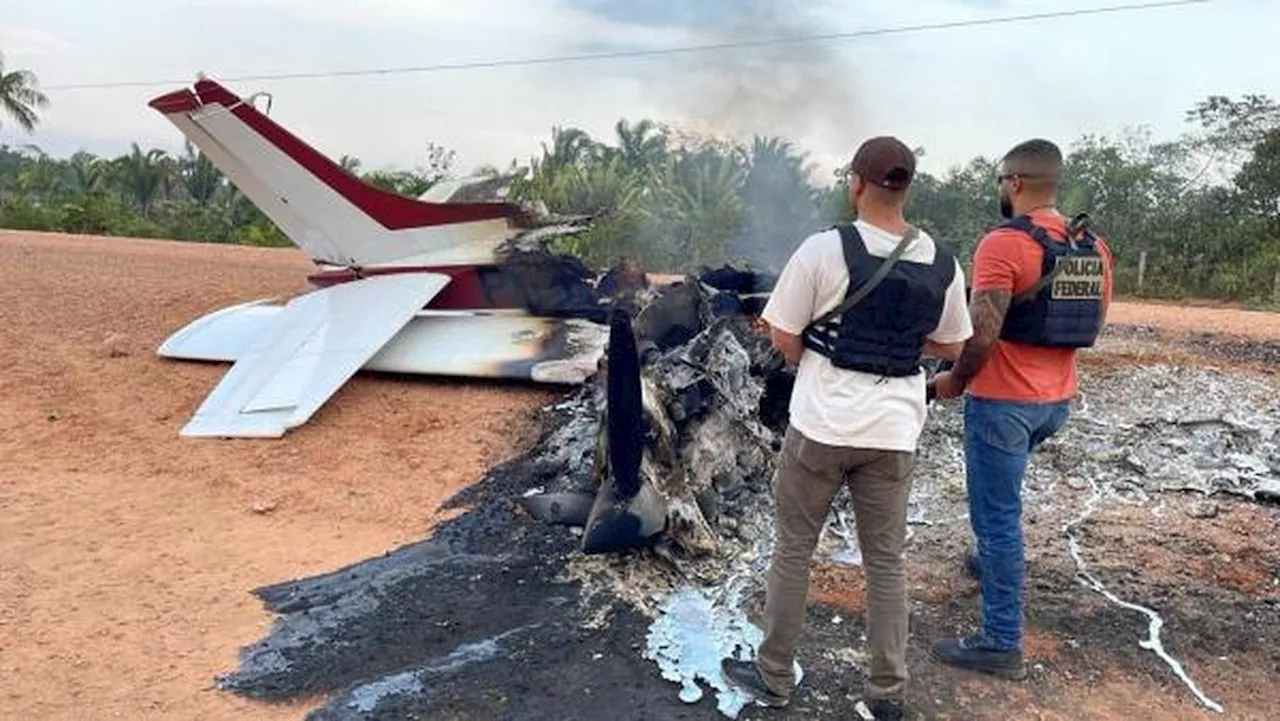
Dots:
{"x": 492, "y": 572}
{"x": 476, "y": 623}
{"x": 1236, "y": 349}
{"x": 1208, "y": 344}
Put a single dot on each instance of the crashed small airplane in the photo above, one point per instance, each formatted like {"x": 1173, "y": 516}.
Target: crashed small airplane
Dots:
{"x": 439, "y": 285}
{"x": 456, "y": 284}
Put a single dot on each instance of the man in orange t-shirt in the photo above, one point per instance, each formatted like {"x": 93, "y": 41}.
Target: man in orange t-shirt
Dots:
{"x": 1041, "y": 287}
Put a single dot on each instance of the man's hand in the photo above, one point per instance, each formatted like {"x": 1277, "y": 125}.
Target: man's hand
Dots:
{"x": 946, "y": 386}
{"x": 790, "y": 346}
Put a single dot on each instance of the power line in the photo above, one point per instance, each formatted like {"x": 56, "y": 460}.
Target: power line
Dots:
{"x": 625, "y": 54}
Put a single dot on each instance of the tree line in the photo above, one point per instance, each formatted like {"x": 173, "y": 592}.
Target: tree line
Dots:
{"x": 1203, "y": 208}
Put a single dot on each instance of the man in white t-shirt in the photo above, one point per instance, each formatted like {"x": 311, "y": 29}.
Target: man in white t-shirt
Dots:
{"x": 857, "y": 411}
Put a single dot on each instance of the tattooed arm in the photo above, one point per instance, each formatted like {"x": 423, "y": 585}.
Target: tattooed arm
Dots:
{"x": 987, "y": 309}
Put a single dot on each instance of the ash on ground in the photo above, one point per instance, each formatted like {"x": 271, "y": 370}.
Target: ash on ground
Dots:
{"x": 499, "y": 615}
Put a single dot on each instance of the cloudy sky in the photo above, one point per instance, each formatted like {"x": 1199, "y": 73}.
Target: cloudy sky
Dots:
{"x": 958, "y": 92}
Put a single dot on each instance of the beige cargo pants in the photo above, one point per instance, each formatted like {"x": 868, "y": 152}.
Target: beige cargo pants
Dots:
{"x": 808, "y": 476}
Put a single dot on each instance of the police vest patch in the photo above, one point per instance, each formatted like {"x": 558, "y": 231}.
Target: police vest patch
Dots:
{"x": 1078, "y": 279}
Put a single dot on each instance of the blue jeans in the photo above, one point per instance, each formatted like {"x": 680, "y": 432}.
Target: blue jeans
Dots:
{"x": 999, "y": 437}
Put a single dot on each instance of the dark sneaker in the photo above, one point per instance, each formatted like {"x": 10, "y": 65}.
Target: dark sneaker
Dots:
{"x": 884, "y": 709}
{"x": 745, "y": 676}
{"x": 968, "y": 653}
{"x": 973, "y": 565}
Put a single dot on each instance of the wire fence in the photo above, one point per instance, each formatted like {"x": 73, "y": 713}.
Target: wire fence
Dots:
{"x": 1161, "y": 274}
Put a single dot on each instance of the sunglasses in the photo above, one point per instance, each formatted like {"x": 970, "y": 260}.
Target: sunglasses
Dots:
{"x": 1010, "y": 176}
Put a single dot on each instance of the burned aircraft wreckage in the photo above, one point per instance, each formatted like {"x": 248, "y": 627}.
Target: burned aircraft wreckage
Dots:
{"x": 633, "y": 533}
{"x": 665, "y": 453}
{"x": 687, "y": 411}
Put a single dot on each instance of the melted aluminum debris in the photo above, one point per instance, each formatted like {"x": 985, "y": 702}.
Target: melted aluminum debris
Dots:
{"x": 1139, "y": 431}
{"x": 848, "y": 552}
{"x": 1088, "y": 580}
{"x": 1157, "y": 429}
{"x": 693, "y": 633}
{"x": 1135, "y": 432}
{"x": 1147, "y": 430}
{"x": 1189, "y": 429}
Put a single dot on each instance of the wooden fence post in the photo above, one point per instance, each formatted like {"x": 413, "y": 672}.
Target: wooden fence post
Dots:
{"x": 1275, "y": 288}
{"x": 1142, "y": 269}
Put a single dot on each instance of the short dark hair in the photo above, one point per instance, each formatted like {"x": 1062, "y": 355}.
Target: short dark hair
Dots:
{"x": 1037, "y": 151}
{"x": 1036, "y": 157}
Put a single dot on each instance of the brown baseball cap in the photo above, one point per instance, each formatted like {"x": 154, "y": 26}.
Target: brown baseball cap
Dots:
{"x": 885, "y": 161}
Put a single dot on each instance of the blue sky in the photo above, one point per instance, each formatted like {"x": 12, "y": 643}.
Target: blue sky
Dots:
{"x": 958, "y": 93}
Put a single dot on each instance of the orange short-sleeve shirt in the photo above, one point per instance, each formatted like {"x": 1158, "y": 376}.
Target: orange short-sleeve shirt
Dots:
{"x": 1010, "y": 260}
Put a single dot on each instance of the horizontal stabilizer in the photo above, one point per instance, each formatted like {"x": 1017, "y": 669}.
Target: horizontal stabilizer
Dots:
{"x": 307, "y": 352}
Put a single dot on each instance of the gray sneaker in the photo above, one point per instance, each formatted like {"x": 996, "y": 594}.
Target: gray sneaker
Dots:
{"x": 745, "y": 676}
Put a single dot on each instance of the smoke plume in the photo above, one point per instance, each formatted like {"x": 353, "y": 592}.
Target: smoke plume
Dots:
{"x": 803, "y": 91}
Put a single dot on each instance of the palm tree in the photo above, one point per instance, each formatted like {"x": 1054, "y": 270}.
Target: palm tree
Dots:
{"x": 699, "y": 195}
{"x": 569, "y": 146}
{"x": 41, "y": 176}
{"x": 782, "y": 207}
{"x": 350, "y": 164}
{"x": 19, "y": 96}
{"x": 199, "y": 175}
{"x": 89, "y": 172}
{"x": 642, "y": 144}
{"x": 145, "y": 176}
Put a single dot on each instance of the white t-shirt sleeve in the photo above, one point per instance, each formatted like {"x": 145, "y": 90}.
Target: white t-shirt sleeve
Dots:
{"x": 955, "y": 325}
{"x": 790, "y": 306}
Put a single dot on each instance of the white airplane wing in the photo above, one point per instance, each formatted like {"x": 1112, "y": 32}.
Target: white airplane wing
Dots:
{"x": 311, "y": 349}
{"x": 493, "y": 344}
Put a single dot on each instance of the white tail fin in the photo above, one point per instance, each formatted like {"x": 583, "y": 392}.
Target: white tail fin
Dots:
{"x": 333, "y": 216}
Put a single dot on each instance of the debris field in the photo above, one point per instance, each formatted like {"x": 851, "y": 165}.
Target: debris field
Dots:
{"x": 424, "y": 587}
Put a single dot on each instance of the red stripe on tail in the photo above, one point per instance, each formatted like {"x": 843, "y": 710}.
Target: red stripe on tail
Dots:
{"x": 392, "y": 211}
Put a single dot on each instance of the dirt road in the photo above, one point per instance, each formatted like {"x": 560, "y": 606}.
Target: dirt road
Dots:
{"x": 127, "y": 554}
{"x": 1175, "y": 319}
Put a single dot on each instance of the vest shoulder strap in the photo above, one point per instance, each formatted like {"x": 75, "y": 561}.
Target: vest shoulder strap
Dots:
{"x": 944, "y": 263}
{"x": 1078, "y": 231}
{"x": 1024, "y": 224}
{"x": 856, "y": 257}
{"x": 883, "y": 270}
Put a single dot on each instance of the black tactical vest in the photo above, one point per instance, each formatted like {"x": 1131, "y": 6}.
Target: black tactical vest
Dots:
{"x": 884, "y": 333}
{"x": 1066, "y": 311}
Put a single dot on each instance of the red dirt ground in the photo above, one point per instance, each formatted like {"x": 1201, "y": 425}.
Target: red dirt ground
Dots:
{"x": 1257, "y": 325}
{"x": 127, "y": 555}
